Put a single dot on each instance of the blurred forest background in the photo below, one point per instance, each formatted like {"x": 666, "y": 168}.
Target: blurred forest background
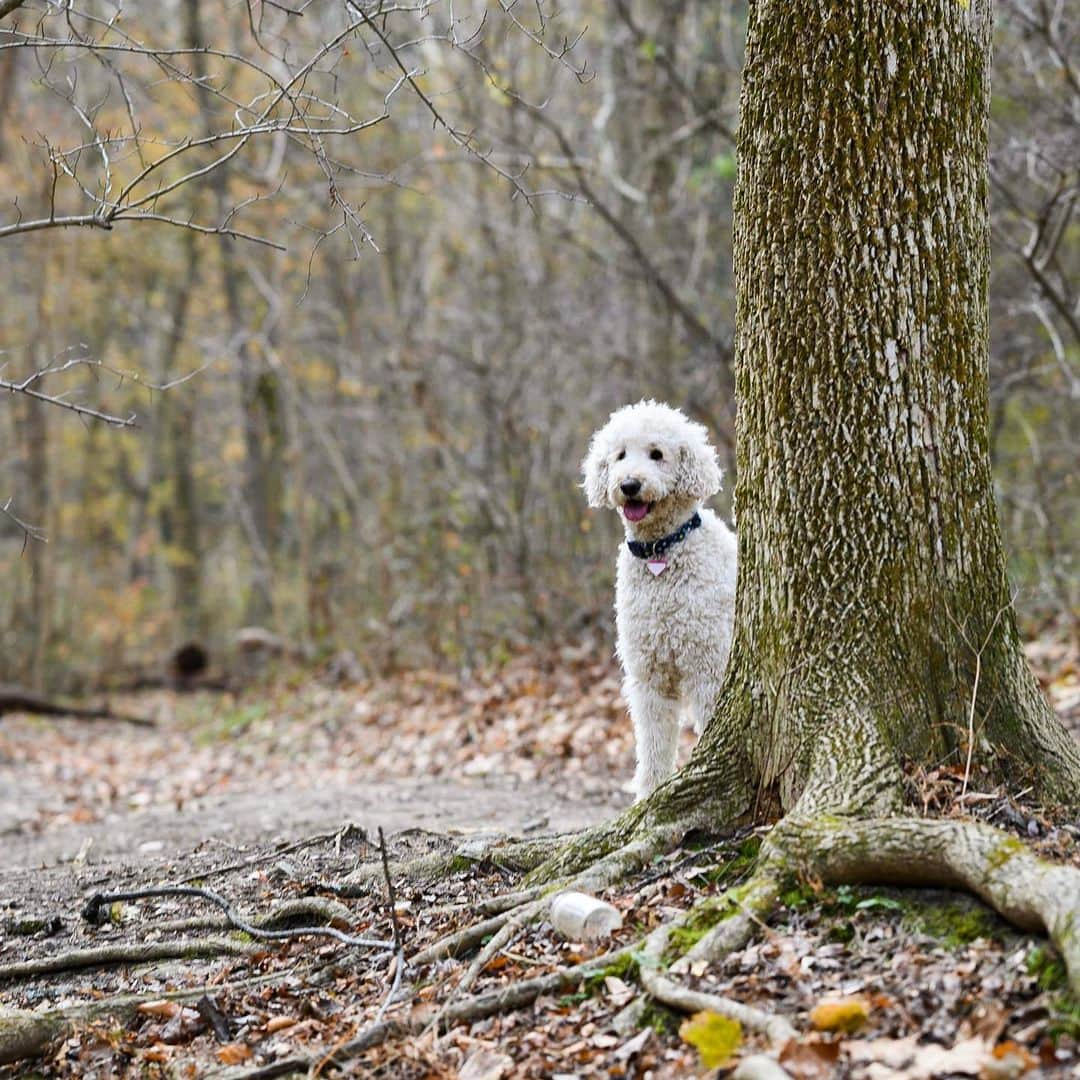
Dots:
{"x": 499, "y": 223}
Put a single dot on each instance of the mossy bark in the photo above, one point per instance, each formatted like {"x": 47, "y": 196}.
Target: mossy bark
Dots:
{"x": 874, "y": 619}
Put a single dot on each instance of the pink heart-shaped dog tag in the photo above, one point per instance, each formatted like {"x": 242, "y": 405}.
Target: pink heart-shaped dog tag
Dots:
{"x": 656, "y": 566}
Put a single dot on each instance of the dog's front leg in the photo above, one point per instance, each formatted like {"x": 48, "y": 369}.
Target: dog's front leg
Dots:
{"x": 656, "y": 734}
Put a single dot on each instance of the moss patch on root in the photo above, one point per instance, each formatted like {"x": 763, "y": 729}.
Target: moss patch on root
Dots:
{"x": 702, "y": 918}
{"x": 624, "y": 968}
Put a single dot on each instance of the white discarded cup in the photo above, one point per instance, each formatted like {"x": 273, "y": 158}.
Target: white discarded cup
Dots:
{"x": 581, "y": 917}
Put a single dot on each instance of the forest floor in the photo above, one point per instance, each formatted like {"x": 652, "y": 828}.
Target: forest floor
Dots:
{"x": 278, "y": 794}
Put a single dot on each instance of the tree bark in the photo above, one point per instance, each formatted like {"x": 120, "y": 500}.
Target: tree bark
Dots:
{"x": 179, "y": 513}
{"x": 875, "y": 626}
{"x": 260, "y": 395}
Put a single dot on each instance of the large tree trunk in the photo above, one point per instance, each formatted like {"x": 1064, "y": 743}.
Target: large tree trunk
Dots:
{"x": 875, "y": 625}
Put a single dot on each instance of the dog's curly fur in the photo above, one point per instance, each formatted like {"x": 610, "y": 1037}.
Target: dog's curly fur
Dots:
{"x": 673, "y": 629}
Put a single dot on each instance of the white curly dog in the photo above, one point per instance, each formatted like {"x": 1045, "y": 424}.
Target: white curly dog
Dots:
{"x": 675, "y": 582}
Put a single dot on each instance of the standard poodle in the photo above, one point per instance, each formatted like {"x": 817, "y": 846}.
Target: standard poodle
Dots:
{"x": 675, "y": 581}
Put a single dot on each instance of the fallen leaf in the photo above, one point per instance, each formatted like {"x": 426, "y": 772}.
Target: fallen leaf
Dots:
{"x": 486, "y": 1065}
{"x": 233, "y": 1053}
{"x": 908, "y": 1059}
{"x": 166, "y": 1009}
{"x": 716, "y": 1037}
{"x": 184, "y": 1026}
{"x": 840, "y": 1014}
{"x": 277, "y": 1023}
{"x": 1007, "y": 1060}
{"x": 633, "y": 1046}
{"x": 810, "y": 1059}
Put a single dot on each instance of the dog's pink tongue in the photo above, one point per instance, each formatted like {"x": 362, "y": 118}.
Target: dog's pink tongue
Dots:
{"x": 635, "y": 511}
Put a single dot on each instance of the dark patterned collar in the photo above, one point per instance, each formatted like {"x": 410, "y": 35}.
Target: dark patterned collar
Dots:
{"x": 653, "y": 549}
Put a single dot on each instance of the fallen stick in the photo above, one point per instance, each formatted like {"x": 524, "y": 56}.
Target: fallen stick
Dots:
{"x": 25, "y": 1034}
{"x": 19, "y": 699}
{"x": 76, "y": 959}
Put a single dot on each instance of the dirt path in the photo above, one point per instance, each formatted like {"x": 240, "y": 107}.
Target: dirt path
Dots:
{"x": 241, "y": 818}
{"x": 219, "y": 779}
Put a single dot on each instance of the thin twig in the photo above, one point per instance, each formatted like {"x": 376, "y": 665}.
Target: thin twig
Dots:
{"x": 256, "y": 860}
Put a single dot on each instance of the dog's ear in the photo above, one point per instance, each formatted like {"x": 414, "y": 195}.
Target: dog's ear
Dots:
{"x": 595, "y": 470}
{"x": 699, "y": 471}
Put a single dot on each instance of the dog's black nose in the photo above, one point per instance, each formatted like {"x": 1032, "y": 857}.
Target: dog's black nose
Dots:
{"x": 630, "y": 487}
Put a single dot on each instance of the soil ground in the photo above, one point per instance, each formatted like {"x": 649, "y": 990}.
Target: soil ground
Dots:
{"x": 249, "y": 796}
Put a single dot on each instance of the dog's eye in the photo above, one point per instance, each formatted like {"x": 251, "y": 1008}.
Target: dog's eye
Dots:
{"x": 656, "y": 455}
{"x": 620, "y": 455}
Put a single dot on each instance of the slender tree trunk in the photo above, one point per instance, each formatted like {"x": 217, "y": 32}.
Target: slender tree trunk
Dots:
{"x": 875, "y": 625}
{"x": 260, "y": 393}
{"x": 179, "y": 513}
{"x": 32, "y": 426}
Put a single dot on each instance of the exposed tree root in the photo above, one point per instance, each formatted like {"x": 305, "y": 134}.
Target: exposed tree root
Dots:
{"x": 515, "y": 856}
{"x": 461, "y": 941}
{"x": 1029, "y": 892}
{"x": 75, "y": 959}
{"x": 506, "y": 999}
{"x": 667, "y": 990}
{"x": 25, "y": 1034}
{"x": 607, "y": 871}
{"x": 755, "y": 902}
{"x": 610, "y": 870}
{"x": 512, "y": 924}
{"x": 287, "y": 913}
{"x": 492, "y": 905}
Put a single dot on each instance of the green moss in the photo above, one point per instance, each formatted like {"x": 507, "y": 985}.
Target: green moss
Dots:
{"x": 229, "y": 723}
{"x": 1005, "y": 850}
{"x": 664, "y": 1021}
{"x": 567, "y": 1001}
{"x": 798, "y": 895}
{"x": 738, "y": 867}
{"x": 1064, "y": 1018}
{"x": 703, "y": 917}
{"x": 459, "y": 864}
{"x": 954, "y": 923}
{"x": 625, "y": 968}
{"x": 1047, "y": 967}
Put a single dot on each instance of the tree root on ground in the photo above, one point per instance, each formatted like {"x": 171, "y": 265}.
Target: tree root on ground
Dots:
{"x": 519, "y": 908}
{"x": 19, "y": 699}
{"x": 665, "y": 989}
{"x": 513, "y": 856}
{"x": 281, "y": 916}
{"x": 144, "y": 953}
{"x": 753, "y": 903}
{"x": 506, "y": 999}
{"x": 1031, "y": 893}
{"x": 25, "y": 1034}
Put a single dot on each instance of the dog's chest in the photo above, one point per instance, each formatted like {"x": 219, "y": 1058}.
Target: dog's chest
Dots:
{"x": 658, "y": 624}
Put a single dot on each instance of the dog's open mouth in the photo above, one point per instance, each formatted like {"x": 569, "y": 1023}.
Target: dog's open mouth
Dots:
{"x": 635, "y": 509}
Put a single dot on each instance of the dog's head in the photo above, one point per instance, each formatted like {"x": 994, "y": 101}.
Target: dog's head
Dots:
{"x": 648, "y": 461}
